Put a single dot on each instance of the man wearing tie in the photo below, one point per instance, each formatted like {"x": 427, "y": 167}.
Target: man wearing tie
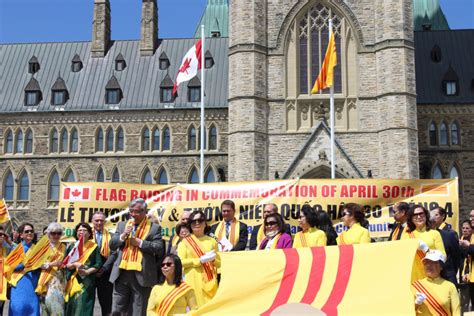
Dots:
{"x": 104, "y": 287}
{"x": 137, "y": 242}
{"x": 400, "y": 212}
{"x": 233, "y": 230}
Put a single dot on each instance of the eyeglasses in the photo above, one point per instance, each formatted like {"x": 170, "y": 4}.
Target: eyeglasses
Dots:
{"x": 2, "y": 235}
{"x": 346, "y": 214}
{"x": 166, "y": 264}
{"x": 422, "y": 214}
{"x": 28, "y": 231}
{"x": 271, "y": 223}
{"x": 56, "y": 233}
{"x": 197, "y": 221}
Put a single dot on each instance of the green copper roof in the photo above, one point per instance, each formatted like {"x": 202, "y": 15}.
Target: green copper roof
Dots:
{"x": 215, "y": 19}
{"x": 428, "y": 12}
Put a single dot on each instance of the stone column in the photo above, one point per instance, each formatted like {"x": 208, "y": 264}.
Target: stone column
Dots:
{"x": 149, "y": 28}
{"x": 101, "y": 28}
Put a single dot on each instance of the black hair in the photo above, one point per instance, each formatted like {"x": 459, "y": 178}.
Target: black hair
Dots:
{"x": 325, "y": 224}
{"x": 228, "y": 202}
{"x": 178, "y": 271}
{"x": 411, "y": 226}
{"x": 358, "y": 213}
{"x": 279, "y": 219}
{"x": 310, "y": 215}
{"x": 181, "y": 226}
{"x": 207, "y": 229}
{"x": 466, "y": 221}
{"x": 21, "y": 228}
{"x": 441, "y": 211}
{"x": 86, "y": 226}
{"x": 403, "y": 206}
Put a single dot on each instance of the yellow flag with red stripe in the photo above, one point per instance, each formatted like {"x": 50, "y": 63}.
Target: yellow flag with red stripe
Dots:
{"x": 335, "y": 280}
{"x": 38, "y": 254}
{"x": 13, "y": 259}
{"x": 326, "y": 74}
{"x": 4, "y": 214}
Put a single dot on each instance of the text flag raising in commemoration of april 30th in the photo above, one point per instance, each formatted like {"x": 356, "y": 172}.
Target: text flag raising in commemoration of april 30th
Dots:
{"x": 377, "y": 196}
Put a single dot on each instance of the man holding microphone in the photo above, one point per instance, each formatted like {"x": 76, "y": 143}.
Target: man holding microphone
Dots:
{"x": 134, "y": 273}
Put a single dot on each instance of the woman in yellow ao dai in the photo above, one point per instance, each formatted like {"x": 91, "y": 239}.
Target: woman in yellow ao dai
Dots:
{"x": 352, "y": 217}
{"x": 310, "y": 236}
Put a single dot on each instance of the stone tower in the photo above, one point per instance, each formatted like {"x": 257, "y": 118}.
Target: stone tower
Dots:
{"x": 248, "y": 94}
{"x": 275, "y": 52}
{"x": 149, "y": 28}
{"x": 101, "y": 28}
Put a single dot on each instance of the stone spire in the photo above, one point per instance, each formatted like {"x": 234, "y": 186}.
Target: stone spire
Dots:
{"x": 149, "y": 28}
{"x": 101, "y": 28}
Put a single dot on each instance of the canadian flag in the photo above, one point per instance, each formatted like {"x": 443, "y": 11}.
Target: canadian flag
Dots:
{"x": 189, "y": 66}
{"x": 76, "y": 252}
{"x": 76, "y": 193}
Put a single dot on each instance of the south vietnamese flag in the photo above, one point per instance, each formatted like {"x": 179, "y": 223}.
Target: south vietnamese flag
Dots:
{"x": 4, "y": 215}
{"x": 189, "y": 66}
{"x": 363, "y": 279}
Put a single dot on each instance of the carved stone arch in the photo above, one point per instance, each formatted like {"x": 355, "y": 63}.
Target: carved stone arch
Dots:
{"x": 11, "y": 170}
{"x": 339, "y": 6}
{"x": 162, "y": 168}
{"x": 321, "y": 169}
{"x": 210, "y": 167}
{"x": 437, "y": 164}
{"x": 115, "y": 168}
{"x": 193, "y": 167}
{"x": 66, "y": 173}
{"x": 102, "y": 168}
{"x": 51, "y": 203}
{"x": 146, "y": 168}
{"x": 24, "y": 170}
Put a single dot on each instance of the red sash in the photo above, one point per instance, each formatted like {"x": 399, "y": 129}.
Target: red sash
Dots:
{"x": 432, "y": 303}
{"x": 170, "y": 299}
{"x": 192, "y": 242}
{"x": 419, "y": 253}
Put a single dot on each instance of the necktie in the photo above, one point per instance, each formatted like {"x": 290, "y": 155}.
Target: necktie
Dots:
{"x": 98, "y": 238}
{"x": 227, "y": 229}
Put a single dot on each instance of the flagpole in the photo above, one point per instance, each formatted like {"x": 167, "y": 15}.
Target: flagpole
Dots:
{"x": 331, "y": 122}
{"x": 203, "y": 43}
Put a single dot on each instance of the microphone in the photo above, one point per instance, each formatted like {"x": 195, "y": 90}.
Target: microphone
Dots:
{"x": 215, "y": 237}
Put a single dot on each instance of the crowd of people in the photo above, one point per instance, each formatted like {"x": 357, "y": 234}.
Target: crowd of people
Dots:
{"x": 133, "y": 272}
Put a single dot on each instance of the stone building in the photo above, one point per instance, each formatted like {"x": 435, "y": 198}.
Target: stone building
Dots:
{"x": 103, "y": 110}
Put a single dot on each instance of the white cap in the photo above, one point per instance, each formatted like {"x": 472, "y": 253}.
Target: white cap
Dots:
{"x": 435, "y": 255}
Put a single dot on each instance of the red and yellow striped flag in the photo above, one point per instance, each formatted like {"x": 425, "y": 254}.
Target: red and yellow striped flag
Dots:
{"x": 326, "y": 74}
{"x": 38, "y": 254}
{"x": 13, "y": 259}
{"x": 4, "y": 215}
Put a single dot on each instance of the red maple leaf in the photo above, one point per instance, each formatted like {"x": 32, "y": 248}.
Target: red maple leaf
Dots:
{"x": 185, "y": 66}
{"x": 76, "y": 192}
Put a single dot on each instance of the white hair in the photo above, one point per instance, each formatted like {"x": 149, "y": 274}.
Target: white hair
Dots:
{"x": 54, "y": 227}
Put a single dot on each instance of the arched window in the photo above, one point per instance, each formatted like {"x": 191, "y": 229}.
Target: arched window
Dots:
{"x": 99, "y": 140}
{"x": 166, "y": 138}
{"x": 54, "y": 141}
{"x": 163, "y": 177}
{"x": 109, "y": 142}
{"x": 209, "y": 176}
{"x": 156, "y": 139}
{"x": 53, "y": 187}
{"x": 212, "y": 138}
{"x": 24, "y": 188}
{"x": 9, "y": 142}
{"x": 454, "y": 133}
{"x": 193, "y": 176}
{"x": 120, "y": 139}
{"x": 100, "y": 175}
{"x": 437, "y": 173}
{"x": 146, "y": 139}
{"x": 116, "y": 175}
{"x": 192, "y": 138}
{"x": 433, "y": 134}
{"x": 70, "y": 177}
{"x": 19, "y": 142}
{"x": 29, "y": 142}
{"x": 63, "y": 141}
{"x": 454, "y": 173}
{"x": 146, "y": 177}
{"x": 443, "y": 134}
{"x": 74, "y": 141}
{"x": 8, "y": 187}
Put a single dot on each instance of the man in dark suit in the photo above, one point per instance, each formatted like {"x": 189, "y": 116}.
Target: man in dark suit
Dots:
{"x": 451, "y": 244}
{"x": 232, "y": 229}
{"x": 135, "y": 273}
{"x": 257, "y": 232}
{"x": 400, "y": 213}
{"x": 103, "y": 286}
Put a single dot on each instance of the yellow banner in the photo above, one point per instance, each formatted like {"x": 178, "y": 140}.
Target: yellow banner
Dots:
{"x": 79, "y": 201}
{"x": 335, "y": 280}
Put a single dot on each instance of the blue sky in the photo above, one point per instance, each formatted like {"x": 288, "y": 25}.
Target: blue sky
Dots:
{"x": 71, "y": 20}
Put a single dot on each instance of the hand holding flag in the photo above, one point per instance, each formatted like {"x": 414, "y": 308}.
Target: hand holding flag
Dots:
{"x": 76, "y": 252}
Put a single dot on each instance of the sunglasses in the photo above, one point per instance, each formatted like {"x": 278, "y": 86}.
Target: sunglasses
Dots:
{"x": 345, "y": 214}
{"x": 56, "y": 233}
{"x": 271, "y": 223}
{"x": 166, "y": 264}
{"x": 28, "y": 231}
{"x": 419, "y": 214}
{"x": 3, "y": 235}
{"x": 197, "y": 221}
